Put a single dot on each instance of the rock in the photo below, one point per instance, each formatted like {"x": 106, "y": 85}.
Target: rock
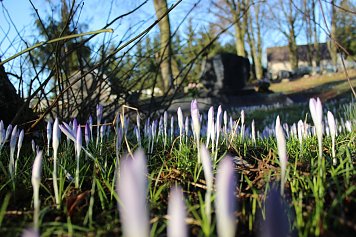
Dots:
{"x": 225, "y": 74}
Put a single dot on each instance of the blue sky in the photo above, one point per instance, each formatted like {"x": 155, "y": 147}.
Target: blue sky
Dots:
{"x": 95, "y": 13}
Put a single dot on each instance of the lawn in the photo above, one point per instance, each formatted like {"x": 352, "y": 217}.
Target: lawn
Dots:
{"x": 158, "y": 177}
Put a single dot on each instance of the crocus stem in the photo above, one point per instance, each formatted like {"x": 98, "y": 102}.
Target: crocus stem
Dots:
{"x": 36, "y": 205}
{"x": 55, "y": 185}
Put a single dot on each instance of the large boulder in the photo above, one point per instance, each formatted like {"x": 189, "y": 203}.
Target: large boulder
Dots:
{"x": 225, "y": 74}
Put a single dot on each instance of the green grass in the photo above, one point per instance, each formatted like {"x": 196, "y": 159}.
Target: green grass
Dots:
{"x": 318, "y": 203}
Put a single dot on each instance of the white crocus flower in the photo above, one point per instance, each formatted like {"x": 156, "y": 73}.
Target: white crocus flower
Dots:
{"x": 332, "y": 130}
{"x": 282, "y": 151}
{"x": 36, "y": 181}
{"x": 19, "y": 145}
{"x": 180, "y": 124}
{"x": 55, "y": 144}
{"x": 300, "y": 130}
{"x": 218, "y": 127}
{"x": 177, "y": 214}
{"x": 316, "y": 112}
{"x": 210, "y": 127}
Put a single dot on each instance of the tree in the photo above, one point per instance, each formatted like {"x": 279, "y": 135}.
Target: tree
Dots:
{"x": 235, "y": 11}
{"x": 255, "y": 39}
{"x": 332, "y": 45}
{"x": 165, "y": 43}
{"x": 345, "y": 31}
{"x": 286, "y": 15}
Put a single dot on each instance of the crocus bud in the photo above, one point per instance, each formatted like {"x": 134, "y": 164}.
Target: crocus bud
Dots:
{"x": 300, "y": 126}
{"x": 49, "y": 135}
{"x": 87, "y": 134}
{"x": 316, "y": 112}
{"x": 36, "y": 181}
{"x": 194, "y": 109}
{"x": 332, "y": 128}
{"x": 13, "y": 141}
{"x": 177, "y": 214}
{"x": 210, "y": 126}
{"x": 8, "y": 132}
{"x": 2, "y": 133}
{"x": 282, "y": 151}
{"x": 253, "y": 132}
{"x": 225, "y": 198}
{"x": 56, "y": 136}
{"x": 180, "y": 121}
{"x": 132, "y": 190}
{"x": 19, "y": 145}
{"x": 78, "y": 143}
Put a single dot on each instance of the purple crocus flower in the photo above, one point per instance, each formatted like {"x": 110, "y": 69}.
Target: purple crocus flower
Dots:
{"x": 177, "y": 214}
{"x": 13, "y": 141}
{"x": 49, "y": 135}
{"x": 78, "y": 148}
{"x": 87, "y": 134}
{"x": 2, "y": 134}
{"x": 132, "y": 190}
{"x": 99, "y": 115}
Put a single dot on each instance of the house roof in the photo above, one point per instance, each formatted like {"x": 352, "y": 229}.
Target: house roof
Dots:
{"x": 281, "y": 54}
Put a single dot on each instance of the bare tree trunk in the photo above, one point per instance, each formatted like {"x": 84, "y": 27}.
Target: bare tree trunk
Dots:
{"x": 316, "y": 53}
{"x": 332, "y": 45}
{"x": 165, "y": 41}
{"x": 238, "y": 10}
{"x": 258, "y": 57}
{"x": 292, "y": 43}
{"x": 293, "y": 49}
{"x": 11, "y": 102}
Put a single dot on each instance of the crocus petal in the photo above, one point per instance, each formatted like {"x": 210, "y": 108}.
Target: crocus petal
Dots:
{"x": 177, "y": 214}
{"x": 225, "y": 198}
{"x": 79, "y": 141}
{"x": 67, "y": 132}
{"x": 37, "y": 167}
{"x": 19, "y": 142}
{"x": 56, "y": 136}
